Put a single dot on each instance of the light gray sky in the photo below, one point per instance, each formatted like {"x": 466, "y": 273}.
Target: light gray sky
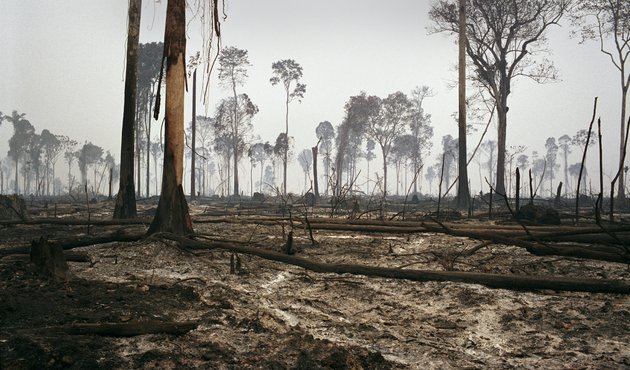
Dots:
{"x": 63, "y": 65}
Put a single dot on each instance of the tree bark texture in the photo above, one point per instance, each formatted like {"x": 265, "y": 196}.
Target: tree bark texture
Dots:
{"x": 172, "y": 212}
{"x": 125, "y": 206}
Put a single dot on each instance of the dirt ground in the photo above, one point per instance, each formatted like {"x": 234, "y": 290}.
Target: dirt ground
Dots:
{"x": 270, "y": 315}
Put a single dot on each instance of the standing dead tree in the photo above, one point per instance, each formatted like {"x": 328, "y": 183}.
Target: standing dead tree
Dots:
{"x": 172, "y": 212}
{"x": 125, "y": 206}
{"x": 588, "y": 140}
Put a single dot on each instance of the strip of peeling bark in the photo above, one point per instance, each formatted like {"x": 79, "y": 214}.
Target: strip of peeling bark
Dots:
{"x": 514, "y": 282}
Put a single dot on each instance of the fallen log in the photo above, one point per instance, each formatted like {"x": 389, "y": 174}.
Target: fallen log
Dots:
{"x": 544, "y": 233}
{"x": 525, "y": 241}
{"x": 77, "y": 222}
{"x": 514, "y": 282}
{"x": 67, "y": 244}
{"x": 368, "y": 228}
{"x": 127, "y": 329}
{"x": 582, "y": 251}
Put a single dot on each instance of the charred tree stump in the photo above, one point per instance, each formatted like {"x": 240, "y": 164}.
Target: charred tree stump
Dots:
{"x": 531, "y": 188}
{"x": 49, "y": 260}
{"x": 556, "y": 201}
{"x": 12, "y": 208}
{"x": 517, "y": 205}
{"x": 288, "y": 247}
{"x": 490, "y": 205}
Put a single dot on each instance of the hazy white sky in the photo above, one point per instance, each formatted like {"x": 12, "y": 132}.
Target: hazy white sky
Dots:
{"x": 63, "y": 65}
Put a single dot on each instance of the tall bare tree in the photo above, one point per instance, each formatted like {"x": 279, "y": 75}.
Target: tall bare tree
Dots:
{"x": 305, "y": 159}
{"x": 463, "y": 193}
{"x": 233, "y": 123}
{"x": 125, "y": 206}
{"x": 421, "y": 129}
{"x": 387, "y": 119}
{"x": 326, "y": 133}
{"x": 149, "y": 66}
{"x": 172, "y": 212}
{"x": 349, "y": 135}
{"x": 193, "y": 62}
{"x": 502, "y": 37}
{"x": 565, "y": 143}
{"x": 608, "y": 22}
{"x": 233, "y": 72}
{"x": 287, "y": 72}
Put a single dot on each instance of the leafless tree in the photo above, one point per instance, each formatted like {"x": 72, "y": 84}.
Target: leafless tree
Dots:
{"x": 502, "y": 38}
{"x": 608, "y": 22}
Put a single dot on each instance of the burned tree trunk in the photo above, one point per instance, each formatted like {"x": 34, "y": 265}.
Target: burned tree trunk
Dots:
{"x": 315, "y": 180}
{"x": 463, "y": 193}
{"x": 172, "y": 212}
{"x": 518, "y": 190}
{"x": 125, "y": 206}
{"x": 558, "y": 194}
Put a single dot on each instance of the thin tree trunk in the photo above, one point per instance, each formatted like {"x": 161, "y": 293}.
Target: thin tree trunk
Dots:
{"x": 111, "y": 177}
{"x": 138, "y": 153}
{"x": 621, "y": 190}
{"x": 315, "y": 180}
{"x": 286, "y": 148}
{"x": 502, "y": 116}
{"x": 260, "y": 183}
{"x": 235, "y": 139}
{"x": 172, "y": 212}
{"x": 125, "y": 206}
{"x": 155, "y": 168}
{"x": 17, "y": 183}
{"x": 384, "y": 172}
{"x": 148, "y": 174}
{"x": 463, "y": 193}
{"x": 193, "y": 153}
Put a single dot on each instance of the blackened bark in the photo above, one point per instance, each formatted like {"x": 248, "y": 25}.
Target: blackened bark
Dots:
{"x": 193, "y": 152}
{"x": 125, "y": 206}
{"x": 315, "y": 181}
